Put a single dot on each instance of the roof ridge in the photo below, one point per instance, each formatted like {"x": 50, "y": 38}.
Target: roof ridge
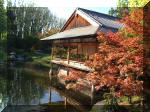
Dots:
{"x": 78, "y": 8}
{"x": 90, "y": 17}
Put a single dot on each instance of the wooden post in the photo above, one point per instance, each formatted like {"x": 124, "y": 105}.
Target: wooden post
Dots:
{"x": 50, "y": 74}
{"x": 81, "y": 52}
{"x": 65, "y": 102}
{"x": 97, "y": 45}
{"x": 92, "y": 94}
{"x": 68, "y": 56}
{"x": 52, "y": 51}
{"x": 86, "y": 52}
{"x": 51, "y": 71}
{"x": 87, "y": 56}
{"x": 50, "y": 91}
{"x": 77, "y": 53}
{"x": 50, "y": 95}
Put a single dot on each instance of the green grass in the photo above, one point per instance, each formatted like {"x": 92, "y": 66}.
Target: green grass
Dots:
{"x": 40, "y": 59}
{"x": 3, "y": 55}
{"x": 134, "y": 100}
{"x": 36, "y": 58}
{"x": 46, "y": 58}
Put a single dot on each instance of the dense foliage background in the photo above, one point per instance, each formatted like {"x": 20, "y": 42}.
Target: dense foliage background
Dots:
{"x": 22, "y": 25}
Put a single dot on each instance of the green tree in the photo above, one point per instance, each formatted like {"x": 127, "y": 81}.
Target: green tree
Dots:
{"x": 28, "y": 22}
{"x": 137, "y": 3}
{"x": 3, "y": 20}
{"x": 122, "y": 5}
{"x": 3, "y": 29}
{"x": 118, "y": 11}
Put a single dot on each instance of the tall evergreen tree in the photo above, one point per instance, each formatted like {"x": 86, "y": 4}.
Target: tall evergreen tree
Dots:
{"x": 26, "y": 23}
{"x": 3, "y": 20}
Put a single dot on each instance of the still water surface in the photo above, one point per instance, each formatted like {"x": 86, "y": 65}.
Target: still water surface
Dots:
{"x": 22, "y": 84}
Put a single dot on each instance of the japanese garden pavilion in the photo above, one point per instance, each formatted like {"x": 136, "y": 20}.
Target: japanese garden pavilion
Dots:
{"x": 80, "y": 31}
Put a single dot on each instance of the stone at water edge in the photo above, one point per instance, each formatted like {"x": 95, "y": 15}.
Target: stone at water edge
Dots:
{"x": 98, "y": 106}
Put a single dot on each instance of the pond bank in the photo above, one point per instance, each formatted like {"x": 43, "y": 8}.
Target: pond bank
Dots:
{"x": 35, "y": 58}
{"x": 39, "y": 59}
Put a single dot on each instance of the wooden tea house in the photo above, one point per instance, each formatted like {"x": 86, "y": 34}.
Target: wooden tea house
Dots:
{"x": 77, "y": 38}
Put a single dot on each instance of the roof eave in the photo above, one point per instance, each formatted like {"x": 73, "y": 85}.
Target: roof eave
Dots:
{"x": 70, "y": 37}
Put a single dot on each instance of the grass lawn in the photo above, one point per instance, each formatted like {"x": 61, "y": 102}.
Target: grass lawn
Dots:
{"x": 136, "y": 103}
{"x": 135, "y": 100}
{"x": 40, "y": 59}
{"x": 34, "y": 57}
{"x": 3, "y": 56}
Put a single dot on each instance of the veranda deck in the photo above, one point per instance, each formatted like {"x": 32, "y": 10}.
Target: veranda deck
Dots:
{"x": 73, "y": 64}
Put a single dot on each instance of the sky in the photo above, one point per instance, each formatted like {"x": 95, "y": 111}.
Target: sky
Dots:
{"x": 65, "y": 12}
{"x": 64, "y": 8}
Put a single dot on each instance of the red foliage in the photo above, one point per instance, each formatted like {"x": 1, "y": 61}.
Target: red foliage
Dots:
{"x": 74, "y": 79}
{"x": 74, "y": 75}
{"x": 129, "y": 87}
{"x": 74, "y": 86}
{"x": 119, "y": 62}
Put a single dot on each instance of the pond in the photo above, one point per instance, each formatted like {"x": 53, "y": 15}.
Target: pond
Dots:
{"x": 24, "y": 86}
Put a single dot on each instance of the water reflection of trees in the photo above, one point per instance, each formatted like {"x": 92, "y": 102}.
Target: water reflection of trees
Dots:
{"x": 3, "y": 88}
{"x": 3, "y": 94}
{"x": 23, "y": 86}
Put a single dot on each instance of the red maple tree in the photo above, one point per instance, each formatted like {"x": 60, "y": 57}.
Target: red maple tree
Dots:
{"x": 119, "y": 62}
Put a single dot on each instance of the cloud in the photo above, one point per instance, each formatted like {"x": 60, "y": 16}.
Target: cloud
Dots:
{"x": 77, "y": 3}
{"x": 64, "y": 8}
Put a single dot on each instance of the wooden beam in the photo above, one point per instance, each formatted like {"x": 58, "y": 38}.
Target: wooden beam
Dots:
{"x": 52, "y": 51}
{"x": 68, "y": 56}
{"x": 76, "y": 44}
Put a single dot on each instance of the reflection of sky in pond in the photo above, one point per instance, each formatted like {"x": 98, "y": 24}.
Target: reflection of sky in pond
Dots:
{"x": 25, "y": 85}
{"x": 54, "y": 97}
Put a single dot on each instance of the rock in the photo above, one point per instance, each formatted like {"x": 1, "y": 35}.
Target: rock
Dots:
{"x": 20, "y": 58}
{"x": 98, "y": 107}
{"x": 1, "y": 62}
{"x": 12, "y": 53}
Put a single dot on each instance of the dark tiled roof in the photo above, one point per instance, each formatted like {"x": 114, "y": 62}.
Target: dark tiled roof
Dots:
{"x": 104, "y": 19}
